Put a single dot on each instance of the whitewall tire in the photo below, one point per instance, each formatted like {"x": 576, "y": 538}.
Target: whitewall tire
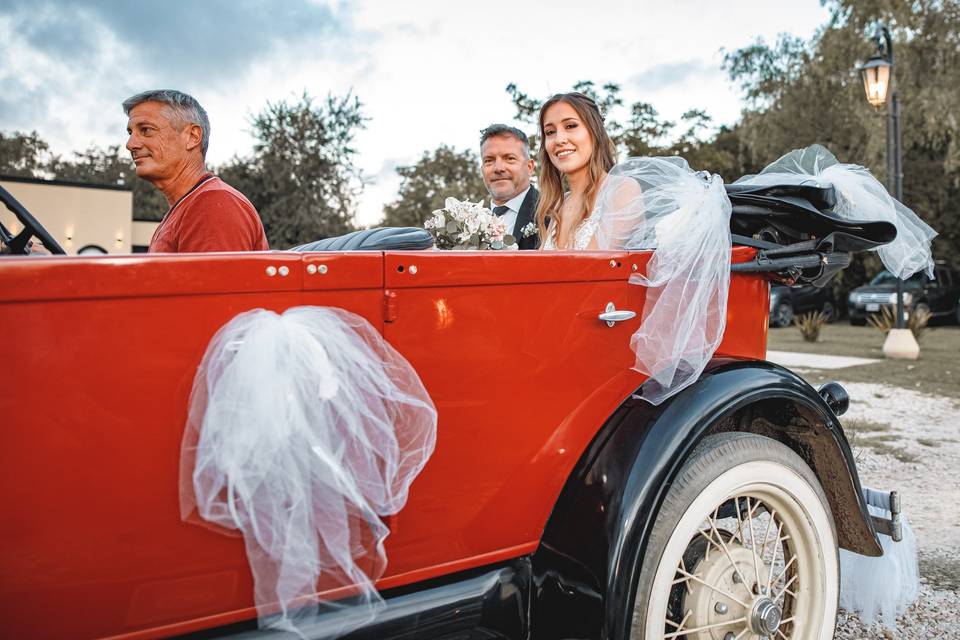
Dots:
{"x": 744, "y": 548}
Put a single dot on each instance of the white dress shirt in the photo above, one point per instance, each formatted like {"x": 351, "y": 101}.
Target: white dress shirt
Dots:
{"x": 510, "y": 217}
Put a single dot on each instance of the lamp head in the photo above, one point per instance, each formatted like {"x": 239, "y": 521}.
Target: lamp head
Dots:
{"x": 876, "y": 80}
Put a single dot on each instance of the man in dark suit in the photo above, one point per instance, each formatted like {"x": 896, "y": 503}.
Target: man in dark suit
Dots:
{"x": 507, "y": 167}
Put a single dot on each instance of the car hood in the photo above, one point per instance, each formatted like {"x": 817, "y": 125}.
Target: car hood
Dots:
{"x": 883, "y": 288}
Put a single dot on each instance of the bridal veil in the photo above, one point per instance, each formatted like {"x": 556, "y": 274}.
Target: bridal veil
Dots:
{"x": 860, "y": 198}
{"x": 662, "y": 204}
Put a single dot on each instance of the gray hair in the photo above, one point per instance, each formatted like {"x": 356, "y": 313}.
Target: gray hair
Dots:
{"x": 505, "y": 130}
{"x": 185, "y": 108}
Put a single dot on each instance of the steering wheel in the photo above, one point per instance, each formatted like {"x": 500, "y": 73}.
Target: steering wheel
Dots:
{"x": 20, "y": 244}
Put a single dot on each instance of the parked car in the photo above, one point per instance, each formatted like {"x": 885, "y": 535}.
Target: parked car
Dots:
{"x": 557, "y": 503}
{"x": 940, "y": 296}
{"x": 787, "y": 302}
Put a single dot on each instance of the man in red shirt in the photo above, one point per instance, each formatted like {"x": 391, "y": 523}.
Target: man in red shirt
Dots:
{"x": 169, "y": 133}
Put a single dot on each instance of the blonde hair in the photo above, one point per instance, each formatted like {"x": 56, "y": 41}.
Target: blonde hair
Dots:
{"x": 550, "y": 180}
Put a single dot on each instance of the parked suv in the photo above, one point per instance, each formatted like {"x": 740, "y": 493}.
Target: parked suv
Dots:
{"x": 938, "y": 296}
{"x": 786, "y": 302}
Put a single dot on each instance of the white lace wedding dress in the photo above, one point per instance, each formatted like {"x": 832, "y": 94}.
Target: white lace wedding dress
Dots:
{"x": 581, "y": 238}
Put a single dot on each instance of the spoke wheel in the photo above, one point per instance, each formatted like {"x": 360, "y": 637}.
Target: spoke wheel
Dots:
{"x": 744, "y": 549}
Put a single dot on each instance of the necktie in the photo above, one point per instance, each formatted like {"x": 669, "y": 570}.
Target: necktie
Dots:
{"x": 502, "y": 209}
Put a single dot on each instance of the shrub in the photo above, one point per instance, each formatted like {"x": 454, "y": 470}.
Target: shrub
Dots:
{"x": 887, "y": 319}
{"x": 810, "y": 324}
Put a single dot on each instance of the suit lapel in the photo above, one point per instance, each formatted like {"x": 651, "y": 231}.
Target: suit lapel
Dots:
{"x": 525, "y": 217}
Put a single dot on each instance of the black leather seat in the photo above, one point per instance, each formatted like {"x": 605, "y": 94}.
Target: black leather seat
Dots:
{"x": 377, "y": 239}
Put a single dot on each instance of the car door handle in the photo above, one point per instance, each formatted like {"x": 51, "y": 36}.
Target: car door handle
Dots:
{"x": 612, "y": 316}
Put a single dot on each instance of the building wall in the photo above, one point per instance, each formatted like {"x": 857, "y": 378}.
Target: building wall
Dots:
{"x": 77, "y": 215}
{"x": 141, "y": 234}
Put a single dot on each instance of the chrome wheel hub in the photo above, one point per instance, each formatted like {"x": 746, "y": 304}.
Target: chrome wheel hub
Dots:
{"x": 765, "y": 617}
{"x": 721, "y": 597}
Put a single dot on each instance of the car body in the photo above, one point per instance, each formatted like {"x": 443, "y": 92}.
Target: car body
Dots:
{"x": 96, "y": 391}
{"x": 787, "y": 302}
{"x": 558, "y": 503}
{"x": 939, "y": 296}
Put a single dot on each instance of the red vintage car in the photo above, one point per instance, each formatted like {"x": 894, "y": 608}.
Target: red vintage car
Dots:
{"x": 557, "y": 503}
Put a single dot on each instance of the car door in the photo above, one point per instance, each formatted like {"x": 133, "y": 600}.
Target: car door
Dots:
{"x": 938, "y": 291}
{"x": 102, "y": 354}
{"x": 522, "y": 372}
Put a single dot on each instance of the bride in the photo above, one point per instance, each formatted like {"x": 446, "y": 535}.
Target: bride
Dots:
{"x": 641, "y": 203}
{"x": 575, "y": 146}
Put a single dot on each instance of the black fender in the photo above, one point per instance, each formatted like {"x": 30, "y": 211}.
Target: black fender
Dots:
{"x": 585, "y": 570}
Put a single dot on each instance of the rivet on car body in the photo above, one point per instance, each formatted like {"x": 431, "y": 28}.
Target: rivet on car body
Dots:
{"x": 271, "y": 271}
{"x": 613, "y": 263}
{"x": 311, "y": 269}
{"x": 633, "y": 267}
{"x": 284, "y": 270}
{"x": 322, "y": 268}
{"x": 412, "y": 269}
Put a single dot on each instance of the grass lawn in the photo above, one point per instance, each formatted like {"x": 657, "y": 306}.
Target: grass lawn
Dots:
{"x": 937, "y": 371}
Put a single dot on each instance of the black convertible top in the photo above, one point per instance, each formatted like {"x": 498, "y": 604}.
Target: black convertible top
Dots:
{"x": 785, "y": 214}
{"x": 801, "y": 240}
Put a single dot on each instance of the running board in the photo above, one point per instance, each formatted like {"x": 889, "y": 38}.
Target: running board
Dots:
{"x": 888, "y": 501}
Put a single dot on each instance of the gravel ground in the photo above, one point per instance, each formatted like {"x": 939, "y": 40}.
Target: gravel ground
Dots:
{"x": 910, "y": 441}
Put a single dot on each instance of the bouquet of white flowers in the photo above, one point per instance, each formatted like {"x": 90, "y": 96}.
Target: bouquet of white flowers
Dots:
{"x": 468, "y": 225}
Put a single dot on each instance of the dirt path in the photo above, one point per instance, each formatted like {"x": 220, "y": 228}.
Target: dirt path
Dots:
{"x": 910, "y": 441}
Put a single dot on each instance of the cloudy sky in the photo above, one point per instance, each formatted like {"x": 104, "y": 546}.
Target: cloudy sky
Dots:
{"x": 427, "y": 72}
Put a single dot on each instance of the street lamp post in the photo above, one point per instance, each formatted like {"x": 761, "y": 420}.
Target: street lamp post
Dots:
{"x": 877, "y": 75}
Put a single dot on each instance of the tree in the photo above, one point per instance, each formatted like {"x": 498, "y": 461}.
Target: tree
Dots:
{"x": 28, "y": 155}
{"x": 100, "y": 166}
{"x": 645, "y": 133}
{"x": 607, "y": 98}
{"x": 111, "y": 166}
{"x": 444, "y": 172}
{"x": 801, "y": 93}
{"x": 23, "y": 154}
{"x": 301, "y": 176}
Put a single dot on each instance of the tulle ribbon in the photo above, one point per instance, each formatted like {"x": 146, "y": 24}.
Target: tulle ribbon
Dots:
{"x": 860, "y": 198}
{"x": 304, "y": 430}
{"x": 881, "y": 588}
{"x": 662, "y": 204}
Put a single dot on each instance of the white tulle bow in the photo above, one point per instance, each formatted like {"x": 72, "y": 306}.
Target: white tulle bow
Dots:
{"x": 304, "y": 429}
